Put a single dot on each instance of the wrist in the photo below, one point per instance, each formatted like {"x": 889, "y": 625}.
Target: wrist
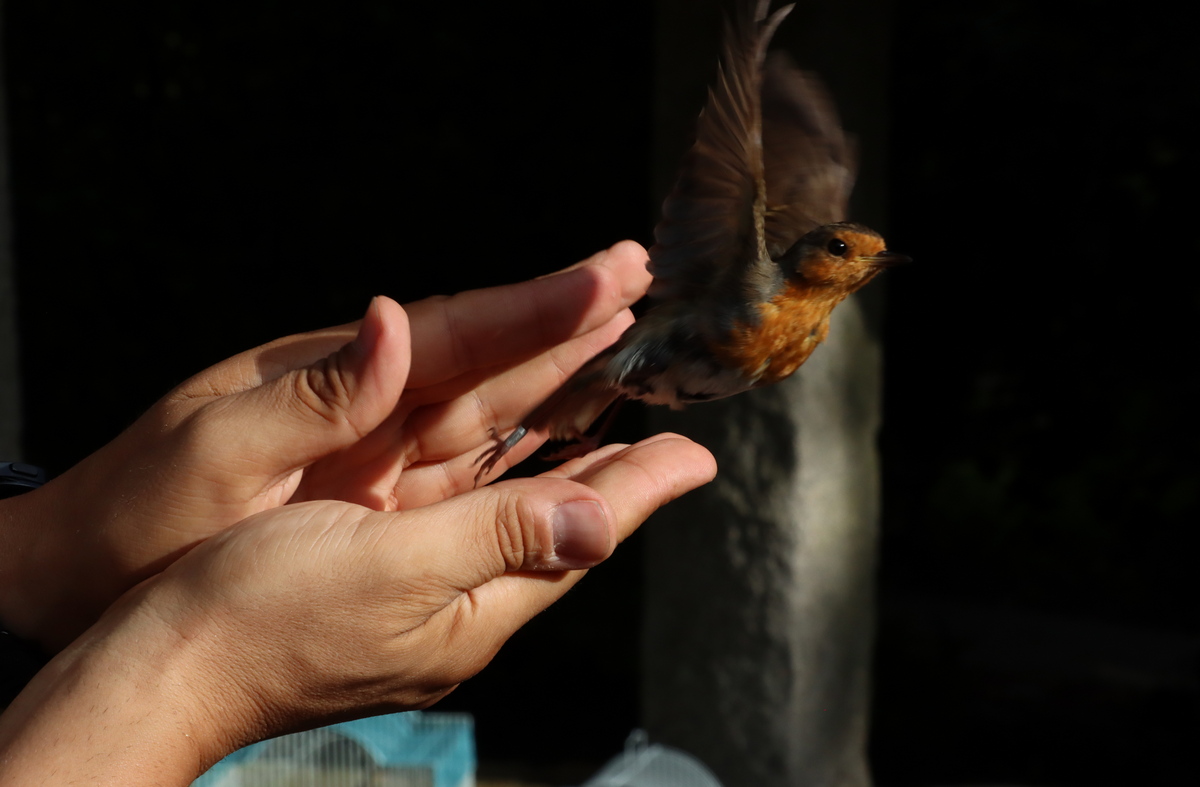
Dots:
{"x": 49, "y": 565}
{"x": 132, "y": 701}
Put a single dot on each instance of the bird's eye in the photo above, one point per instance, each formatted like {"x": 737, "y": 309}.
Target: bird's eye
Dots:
{"x": 837, "y": 247}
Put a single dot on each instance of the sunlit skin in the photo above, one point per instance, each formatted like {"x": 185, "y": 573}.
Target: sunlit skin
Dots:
{"x": 752, "y": 253}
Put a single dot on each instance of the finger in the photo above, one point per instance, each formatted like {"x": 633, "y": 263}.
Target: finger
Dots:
{"x": 499, "y": 325}
{"x": 620, "y": 252}
{"x": 644, "y": 476}
{"x": 450, "y": 426}
{"x": 549, "y": 523}
{"x": 566, "y": 357}
{"x": 428, "y": 451}
{"x": 522, "y": 525}
{"x": 576, "y": 468}
{"x": 309, "y": 412}
{"x": 625, "y": 262}
{"x": 636, "y": 480}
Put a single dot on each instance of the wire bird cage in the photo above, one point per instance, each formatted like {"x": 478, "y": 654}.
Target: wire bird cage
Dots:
{"x": 411, "y": 749}
{"x": 644, "y": 764}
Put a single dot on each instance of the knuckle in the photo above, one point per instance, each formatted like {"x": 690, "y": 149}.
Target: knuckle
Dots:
{"x": 324, "y": 390}
{"x": 609, "y": 286}
{"x": 482, "y": 410}
{"x": 457, "y": 346}
{"x": 516, "y": 530}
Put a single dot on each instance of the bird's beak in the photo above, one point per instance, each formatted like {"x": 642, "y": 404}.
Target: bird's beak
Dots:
{"x": 886, "y": 259}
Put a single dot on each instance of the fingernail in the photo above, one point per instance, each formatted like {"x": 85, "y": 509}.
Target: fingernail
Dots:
{"x": 580, "y": 535}
{"x": 369, "y": 330}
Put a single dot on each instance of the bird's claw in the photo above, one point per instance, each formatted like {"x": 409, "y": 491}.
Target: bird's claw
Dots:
{"x": 492, "y": 455}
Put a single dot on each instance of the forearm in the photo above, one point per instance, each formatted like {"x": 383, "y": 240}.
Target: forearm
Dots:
{"x": 125, "y": 704}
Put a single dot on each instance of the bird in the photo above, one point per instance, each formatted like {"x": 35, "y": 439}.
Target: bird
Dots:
{"x": 751, "y": 255}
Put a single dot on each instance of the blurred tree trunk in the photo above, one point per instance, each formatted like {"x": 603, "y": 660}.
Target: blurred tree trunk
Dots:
{"x": 10, "y": 418}
{"x": 759, "y": 613}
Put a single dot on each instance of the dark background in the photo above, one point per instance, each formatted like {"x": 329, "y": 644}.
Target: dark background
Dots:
{"x": 191, "y": 179}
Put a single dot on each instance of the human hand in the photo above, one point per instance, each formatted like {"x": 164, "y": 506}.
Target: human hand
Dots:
{"x": 343, "y": 413}
{"x": 322, "y": 611}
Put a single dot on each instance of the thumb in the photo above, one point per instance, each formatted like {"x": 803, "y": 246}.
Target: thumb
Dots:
{"x": 528, "y": 524}
{"x": 303, "y": 414}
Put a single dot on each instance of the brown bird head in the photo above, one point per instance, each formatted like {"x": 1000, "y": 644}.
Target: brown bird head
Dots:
{"x": 842, "y": 256}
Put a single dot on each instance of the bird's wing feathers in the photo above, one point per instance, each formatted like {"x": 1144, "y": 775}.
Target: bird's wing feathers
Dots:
{"x": 770, "y": 162}
{"x": 708, "y": 228}
{"x": 808, "y": 160}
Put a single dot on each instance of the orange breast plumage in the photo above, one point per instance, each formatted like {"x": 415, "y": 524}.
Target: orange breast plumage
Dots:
{"x": 790, "y": 327}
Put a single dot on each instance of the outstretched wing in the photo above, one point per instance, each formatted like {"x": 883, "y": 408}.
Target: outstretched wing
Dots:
{"x": 808, "y": 161}
{"x": 711, "y": 229}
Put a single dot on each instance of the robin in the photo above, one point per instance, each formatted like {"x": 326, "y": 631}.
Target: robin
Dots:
{"x": 751, "y": 254}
